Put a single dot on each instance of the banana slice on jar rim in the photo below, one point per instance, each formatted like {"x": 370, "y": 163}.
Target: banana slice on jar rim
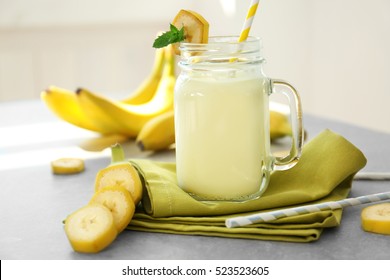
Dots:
{"x": 196, "y": 28}
{"x": 67, "y": 165}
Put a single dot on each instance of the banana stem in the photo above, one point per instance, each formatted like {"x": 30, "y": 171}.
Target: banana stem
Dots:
{"x": 117, "y": 154}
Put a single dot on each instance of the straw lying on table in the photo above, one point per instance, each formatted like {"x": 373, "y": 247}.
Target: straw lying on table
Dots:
{"x": 377, "y": 176}
{"x": 274, "y": 215}
{"x": 248, "y": 21}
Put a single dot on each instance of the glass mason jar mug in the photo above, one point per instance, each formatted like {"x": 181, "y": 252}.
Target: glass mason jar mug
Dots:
{"x": 222, "y": 121}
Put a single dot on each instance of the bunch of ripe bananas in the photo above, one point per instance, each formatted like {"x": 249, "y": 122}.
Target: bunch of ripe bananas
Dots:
{"x": 147, "y": 114}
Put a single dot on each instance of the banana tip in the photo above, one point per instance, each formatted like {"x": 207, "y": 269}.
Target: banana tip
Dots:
{"x": 140, "y": 145}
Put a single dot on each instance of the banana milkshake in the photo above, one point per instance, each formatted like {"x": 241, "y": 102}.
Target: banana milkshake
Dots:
{"x": 222, "y": 142}
{"x": 222, "y": 120}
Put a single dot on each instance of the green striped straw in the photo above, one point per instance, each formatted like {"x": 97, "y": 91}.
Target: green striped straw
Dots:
{"x": 295, "y": 211}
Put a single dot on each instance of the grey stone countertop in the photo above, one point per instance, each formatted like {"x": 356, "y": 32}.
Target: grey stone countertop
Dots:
{"x": 34, "y": 202}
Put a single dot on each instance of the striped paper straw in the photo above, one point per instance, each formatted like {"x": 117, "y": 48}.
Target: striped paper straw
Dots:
{"x": 248, "y": 21}
{"x": 374, "y": 176}
{"x": 274, "y": 215}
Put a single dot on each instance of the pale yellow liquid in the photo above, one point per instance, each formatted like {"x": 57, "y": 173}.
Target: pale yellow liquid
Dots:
{"x": 222, "y": 137}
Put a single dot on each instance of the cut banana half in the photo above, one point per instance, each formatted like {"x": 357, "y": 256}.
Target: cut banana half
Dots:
{"x": 376, "y": 218}
{"x": 196, "y": 28}
{"x": 119, "y": 202}
{"x": 90, "y": 229}
{"x": 67, "y": 165}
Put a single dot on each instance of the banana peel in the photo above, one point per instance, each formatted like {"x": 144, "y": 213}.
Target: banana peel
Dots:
{"x": 128, "y": 119}
{"x": 279, "y": 125}
{"x": 68, "y": 106}
{"x": 158, "y": 133}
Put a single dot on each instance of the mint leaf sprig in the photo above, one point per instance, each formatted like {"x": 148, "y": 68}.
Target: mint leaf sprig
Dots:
{"x": 174, "y": 35}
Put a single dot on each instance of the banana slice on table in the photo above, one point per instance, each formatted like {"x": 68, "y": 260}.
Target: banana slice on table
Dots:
{"x": 120, "y": 173}
{"x": 90, "y": 229}
{"x": 67, "y": 165}
{"x": 376, "y": 218}
{"x": 119, "y": 201}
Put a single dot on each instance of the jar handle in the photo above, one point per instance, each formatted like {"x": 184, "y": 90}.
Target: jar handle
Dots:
{"x": 284, "y": 163}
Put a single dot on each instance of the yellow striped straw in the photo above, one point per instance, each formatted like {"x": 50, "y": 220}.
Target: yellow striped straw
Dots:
{"x": 248, "y": 21}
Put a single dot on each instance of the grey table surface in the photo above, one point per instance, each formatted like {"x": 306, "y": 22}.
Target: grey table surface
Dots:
{"x": 34, "y": 202}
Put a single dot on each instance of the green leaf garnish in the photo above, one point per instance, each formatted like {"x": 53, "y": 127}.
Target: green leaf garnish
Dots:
{"x": 174, "y": 35}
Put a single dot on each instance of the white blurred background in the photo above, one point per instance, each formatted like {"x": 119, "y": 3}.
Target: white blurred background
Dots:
{"x": 335, "y": 52}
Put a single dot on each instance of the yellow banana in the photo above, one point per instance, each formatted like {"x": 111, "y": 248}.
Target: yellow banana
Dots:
{"x": 145, "y": 92}
{"x": 129, "y": 119}
{"x": 101, "y": 142}
{"x": 158, "y": 133}
{"x": 65, "y": 105}
{"x": 99, "y": 116}
{"x": 279, "y": 125}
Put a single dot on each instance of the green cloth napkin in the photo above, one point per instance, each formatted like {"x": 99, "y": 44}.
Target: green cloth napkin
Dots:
{"x": 323, "y": 173}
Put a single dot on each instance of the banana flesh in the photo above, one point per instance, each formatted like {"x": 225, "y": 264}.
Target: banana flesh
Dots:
{"x": 67, "y": 165}
{"x": 118, "y": 200}
{"x": 196, "y": 28}
{"x": 96, "y": 225}
{"x": 90, "y": 229}
{"x": 120, "y": 175}
{"x": 376, "y": 218}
